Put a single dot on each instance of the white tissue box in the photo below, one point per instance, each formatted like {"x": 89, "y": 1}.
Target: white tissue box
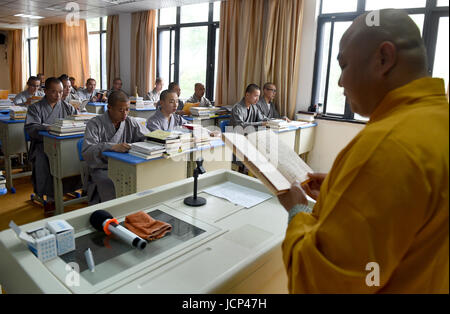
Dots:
{"x": 44, "y": 248}
{"x": 64, "y": 233}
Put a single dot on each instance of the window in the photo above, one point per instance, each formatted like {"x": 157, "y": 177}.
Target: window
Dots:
{"x": 32, "y": 49}
{"x": 431, "y": 17}
{"x": 188, "y": 46}
{"x": 96, "y": 28}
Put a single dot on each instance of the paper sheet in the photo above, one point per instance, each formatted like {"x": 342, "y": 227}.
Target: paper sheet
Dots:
{"x": 238, "y": 194}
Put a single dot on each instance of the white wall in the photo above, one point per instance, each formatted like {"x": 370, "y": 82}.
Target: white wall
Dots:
{"x": 331, "y": 137}
{"x": 125, "y": 51}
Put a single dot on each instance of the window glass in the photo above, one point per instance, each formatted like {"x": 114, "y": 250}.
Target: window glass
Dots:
{"x": 441, "y": 66}
{"x": 195, "y": 13}
{"x": 397, "y": 4}
{"x": 336, "y": 98}
{"x": 216, "y": 12}
{"x": 168, "y": 16}
{"x": 333, "y": 6}
{"x": 193, "y": 56}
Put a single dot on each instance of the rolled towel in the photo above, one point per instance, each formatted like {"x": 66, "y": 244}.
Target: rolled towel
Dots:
{"x": 146, "y": 227}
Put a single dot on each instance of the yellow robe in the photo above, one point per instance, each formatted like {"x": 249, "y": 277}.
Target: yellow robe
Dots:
{"x": 385, "y": 200}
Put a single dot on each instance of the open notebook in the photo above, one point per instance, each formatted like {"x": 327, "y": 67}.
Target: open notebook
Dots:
{"x": 269, "y": 159}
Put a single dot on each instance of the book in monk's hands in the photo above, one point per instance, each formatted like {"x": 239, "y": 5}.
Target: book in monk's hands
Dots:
{"x": 274, "y": 163}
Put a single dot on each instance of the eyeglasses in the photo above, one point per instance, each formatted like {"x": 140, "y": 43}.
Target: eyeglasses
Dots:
{"x": 272, "y": 90}
{"x": 35, "y": 86}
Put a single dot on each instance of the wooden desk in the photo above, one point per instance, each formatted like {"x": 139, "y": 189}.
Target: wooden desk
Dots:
{"x": 62, "y": 153}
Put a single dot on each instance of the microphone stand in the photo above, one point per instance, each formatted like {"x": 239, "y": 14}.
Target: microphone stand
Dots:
{"x": 194, "y": 200}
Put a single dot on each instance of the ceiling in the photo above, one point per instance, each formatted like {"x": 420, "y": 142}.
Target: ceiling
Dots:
{"x": 54, "y": 11}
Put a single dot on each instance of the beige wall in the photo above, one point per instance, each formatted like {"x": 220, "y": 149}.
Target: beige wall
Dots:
{"x": 331, "y": 137}
{"x": 4, "y": 68}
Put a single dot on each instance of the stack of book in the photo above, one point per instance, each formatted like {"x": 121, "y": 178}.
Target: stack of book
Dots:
{"x": 82, "y": 117}
{"x": 174, "y": 142}
{"x": 305, "y": 116}
{"x": 3, "y": 189}
{"x": 137, "y": 102}
{"x": 148, "y": 104}
{"x": 203, "y": 111}
{"x": 65, "y": 127}
{"x": 147, "y": 150}
{"x": 17, "y": 112}
{"x": 278, "y": 124}
{"x": 5, "y": 104}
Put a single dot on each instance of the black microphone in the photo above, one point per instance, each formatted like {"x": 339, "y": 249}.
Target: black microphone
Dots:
{"x": 103, "y": 221}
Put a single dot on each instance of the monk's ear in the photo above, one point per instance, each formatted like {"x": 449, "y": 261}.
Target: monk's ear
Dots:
{"x": 387, "y": 57}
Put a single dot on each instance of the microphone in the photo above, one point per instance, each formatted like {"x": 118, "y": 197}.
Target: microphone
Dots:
{"x": 103, "y": 221}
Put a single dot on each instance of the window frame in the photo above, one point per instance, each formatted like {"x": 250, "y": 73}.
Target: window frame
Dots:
{"x": 431, "y": 12}
{"x": 175, "y": 30}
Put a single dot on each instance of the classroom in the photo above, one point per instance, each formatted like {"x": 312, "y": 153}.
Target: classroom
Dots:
{"x": 261, "y": 147}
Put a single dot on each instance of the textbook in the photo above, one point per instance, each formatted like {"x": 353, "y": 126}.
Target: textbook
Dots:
{"x": 269, "y": 159}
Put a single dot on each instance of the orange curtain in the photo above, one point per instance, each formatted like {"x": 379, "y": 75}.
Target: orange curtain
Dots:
{"x": 15, "y": 54}
{"x": 64, "y": 49}
{"x": 112, "y": 49}
{"x": 143, "y": 51}
{"x": 259, "y": 42}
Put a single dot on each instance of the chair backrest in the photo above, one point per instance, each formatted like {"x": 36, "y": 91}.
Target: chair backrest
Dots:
{"x": 223, "y": 125}
{"x": 79, "y": 146}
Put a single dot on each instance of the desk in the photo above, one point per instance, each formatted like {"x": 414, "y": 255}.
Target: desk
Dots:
{"x": 132, "y": 174}
{"x": 96, "y": 107}
{"x": 300, "y": 138}
{"x": 62, "y": 153}
{"x": 12, "y": 137}
{"x": 142, "y": 113}
{"x": 236, "y": 250}
{"x": 207, "y": 121}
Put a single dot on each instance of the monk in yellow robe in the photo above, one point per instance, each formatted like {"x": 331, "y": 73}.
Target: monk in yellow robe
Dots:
{"x": 381, "y": 220}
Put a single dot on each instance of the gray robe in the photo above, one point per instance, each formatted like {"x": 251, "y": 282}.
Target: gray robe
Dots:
{"x": 153, "y": 96}
{"x": 100, "y": 136}
{"x": 240, "y": 116}
{"x": 85, "y": 95}
{"x": 204, "y": 102}
{"x": 40, "y": 114}
{"x": 22, "y": 97}
{"x": 159, "y": 122}
{"x": 270, "y": 111}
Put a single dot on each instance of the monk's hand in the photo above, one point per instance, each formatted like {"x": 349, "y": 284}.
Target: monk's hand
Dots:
{"x": 121, "y": 148}
{"x": 294, "y": 196}
{"x": 287, "y": 119}
{"x": 312, "y": 188}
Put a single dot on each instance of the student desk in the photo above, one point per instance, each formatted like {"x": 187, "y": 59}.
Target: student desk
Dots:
{"x": 132, "y": 174}
{"x": 12, "y": 137}
{"x": 299, "y": 138}
{"x": 142, "y": 112}
{"x": 217, "y": 248}
{"x": 62, "y": 153}
{"x": 96, "y": 107}
{"x": 207, "y": 121}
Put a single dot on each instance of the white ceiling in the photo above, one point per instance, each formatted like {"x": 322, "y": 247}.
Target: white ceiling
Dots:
{"x": 53, "y": 11}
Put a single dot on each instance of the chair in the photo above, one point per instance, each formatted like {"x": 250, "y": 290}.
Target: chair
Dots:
{"x": 83, "y": 166}
{"x": 223, "y": 125}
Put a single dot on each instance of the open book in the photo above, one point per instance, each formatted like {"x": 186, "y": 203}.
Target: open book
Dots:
{"x": 269, "y": 159}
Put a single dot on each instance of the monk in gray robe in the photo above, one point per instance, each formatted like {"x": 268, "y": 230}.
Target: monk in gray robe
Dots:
{"x": 265, "y": 103}
{"x": 40, "y": 116}
{"x": 24, "y": 98}
{"x": 90, "y": 93}
{"x": 155, "y": 94}
{"x": 112, "y": 131}
{"x": 245, "y": 113}
{"x": 199, "y": 96}
{"x": 166, "y": 118}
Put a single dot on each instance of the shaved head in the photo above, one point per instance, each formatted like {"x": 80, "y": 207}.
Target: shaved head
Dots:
{"x": 377, "y": 59}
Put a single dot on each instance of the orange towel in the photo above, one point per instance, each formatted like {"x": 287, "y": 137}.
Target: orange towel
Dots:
{"x": 146, "y": 227}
